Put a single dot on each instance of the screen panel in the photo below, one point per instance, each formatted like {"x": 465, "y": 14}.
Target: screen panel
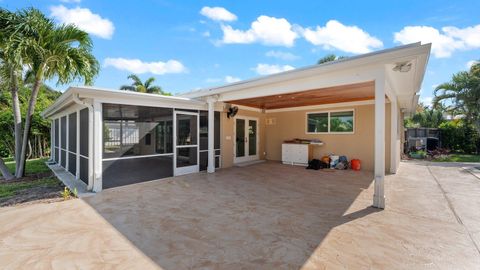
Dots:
{"x": 84, "y": 170}
{"x": 135, "y": 170}
{"x": 63, "y": 132}
{"x": 72, "y": 132}
{"x": 72, "y": 163}
{"x": 84, "y": 132}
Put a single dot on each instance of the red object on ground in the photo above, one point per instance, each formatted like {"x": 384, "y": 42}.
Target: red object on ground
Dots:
{"x": 355, "y": 164}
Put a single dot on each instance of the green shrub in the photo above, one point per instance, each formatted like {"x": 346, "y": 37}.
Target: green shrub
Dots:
{"x": 420, "y": 154}
{"x": 459, "y": 136}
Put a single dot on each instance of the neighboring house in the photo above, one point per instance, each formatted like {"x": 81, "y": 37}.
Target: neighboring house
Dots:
{"x": 108, "y": 138}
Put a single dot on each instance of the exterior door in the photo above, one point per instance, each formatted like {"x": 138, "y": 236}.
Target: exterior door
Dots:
{"x": 186, "y": 144}
{"x": 246, "y": 139}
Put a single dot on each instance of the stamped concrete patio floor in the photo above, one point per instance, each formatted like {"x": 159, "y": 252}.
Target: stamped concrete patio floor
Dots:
{"x": 265, "y": 216}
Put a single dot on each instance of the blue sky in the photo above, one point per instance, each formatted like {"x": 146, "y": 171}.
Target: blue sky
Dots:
{"x": 188, "y": 45}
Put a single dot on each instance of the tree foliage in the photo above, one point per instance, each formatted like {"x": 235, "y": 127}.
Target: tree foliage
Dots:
{"x": 330, "y": 58}
{"x": 143, "y": 87}
{"x": 460, "y": 136}
{"x": 462, "y": 95}
{"x": 40, "y": 131}
{"x": 32, "y": 41}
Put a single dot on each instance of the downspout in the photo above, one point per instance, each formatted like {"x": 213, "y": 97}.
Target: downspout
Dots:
{"x": 91, "y": 156}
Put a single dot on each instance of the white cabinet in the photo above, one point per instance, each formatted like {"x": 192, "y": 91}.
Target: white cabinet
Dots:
{"x": 295, "y": 154}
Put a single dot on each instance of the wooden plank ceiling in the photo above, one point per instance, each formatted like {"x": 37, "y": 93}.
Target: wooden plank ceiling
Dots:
{"x": 337, "y": 94}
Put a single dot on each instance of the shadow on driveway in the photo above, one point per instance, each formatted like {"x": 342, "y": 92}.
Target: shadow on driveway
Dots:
{"x": 266, "y": 216}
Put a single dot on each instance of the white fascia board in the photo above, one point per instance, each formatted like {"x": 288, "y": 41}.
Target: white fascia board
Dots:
{"x": 376, "y": 58}
{"x": 325, "y": 80}
{"x": 121, "y": 97}
{"x": 66, "y": 111}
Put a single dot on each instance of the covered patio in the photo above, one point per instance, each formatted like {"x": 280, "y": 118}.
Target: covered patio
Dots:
{"x": 265, "y": 216}
{"x": 377, "y": 89}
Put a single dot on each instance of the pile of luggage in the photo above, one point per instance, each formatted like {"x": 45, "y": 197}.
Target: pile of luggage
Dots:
{"x": 333, "y": 162}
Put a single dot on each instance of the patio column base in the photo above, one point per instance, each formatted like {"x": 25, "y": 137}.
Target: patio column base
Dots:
{"x": 379, "y": 201}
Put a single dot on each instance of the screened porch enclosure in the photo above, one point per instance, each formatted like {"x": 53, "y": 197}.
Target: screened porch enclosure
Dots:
{"x": 70, "y": 143}
{"x": 138, "y": 142}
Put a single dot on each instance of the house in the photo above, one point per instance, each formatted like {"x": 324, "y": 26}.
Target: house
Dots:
{"x": 355, "y": 106}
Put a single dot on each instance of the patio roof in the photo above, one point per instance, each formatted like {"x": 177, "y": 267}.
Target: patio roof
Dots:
{"x": 328, "y": 95}
{"x": 402, "y": 68}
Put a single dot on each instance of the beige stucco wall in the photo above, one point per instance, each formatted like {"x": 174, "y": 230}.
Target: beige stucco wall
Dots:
{"x": 292, "y": 124}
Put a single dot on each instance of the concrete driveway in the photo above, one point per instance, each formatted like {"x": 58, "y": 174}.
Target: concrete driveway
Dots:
{"x": 266, "y": 216}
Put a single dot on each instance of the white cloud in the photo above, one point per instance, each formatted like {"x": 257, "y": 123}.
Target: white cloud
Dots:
{"x": 335, "y": 35}
{"x": 266, "y": 69}
{"x": 265, "y": 30}
{"x": 282, "y": 55}
{"x": 471, "y": 63}
{"x": 218, "y": 14}
{"x": 444, "y": 42}
{"x": 71, "y": 1}
{"x": 84, "y": 19}
{"x": 138, "y": 67}
{"x": 231, "y": 79}
{"x": 206, "y": 34}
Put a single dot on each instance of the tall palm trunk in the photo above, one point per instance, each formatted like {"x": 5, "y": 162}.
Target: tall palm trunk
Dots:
{"x": 17, "y": 118}
{"x": 5, "y": 172}
{"x": 28, "y": 123}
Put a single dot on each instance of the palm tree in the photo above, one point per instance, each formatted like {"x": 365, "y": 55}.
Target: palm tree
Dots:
{"x": 143, "y": 87}
{"x": 14, "y": 28}
{"x": 53, "y": 51}
{"x": 430, "y": 118}
{"x": 329, "y": 58}
{"x": 462, "y": 94}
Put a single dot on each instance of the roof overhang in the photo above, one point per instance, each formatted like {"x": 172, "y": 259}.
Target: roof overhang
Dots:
{"x": 68, "y": 98}
{"x": 404, "y": 85}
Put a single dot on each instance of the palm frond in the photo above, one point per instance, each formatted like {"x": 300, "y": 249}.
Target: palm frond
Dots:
{"x": 136, "y": 80}
{"x": 127, "y": 87}
{"x": 149, "y": 82}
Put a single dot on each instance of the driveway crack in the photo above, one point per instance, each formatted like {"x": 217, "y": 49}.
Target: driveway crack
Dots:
{"x": 450, "y": 205}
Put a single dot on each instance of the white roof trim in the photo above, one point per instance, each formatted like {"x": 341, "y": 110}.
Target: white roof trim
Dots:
{"x": 120, "y": 96}
{"x": 378, "y": 57}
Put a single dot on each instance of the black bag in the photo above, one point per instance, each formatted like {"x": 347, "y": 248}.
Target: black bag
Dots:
{"x": 314, "y": 164}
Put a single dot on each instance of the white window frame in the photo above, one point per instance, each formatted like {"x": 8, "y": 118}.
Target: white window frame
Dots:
{"x": 328, "y": 112}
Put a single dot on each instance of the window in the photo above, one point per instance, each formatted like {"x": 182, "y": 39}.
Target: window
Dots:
{"x": 341, "y": 121}
{"x": 317, "y": 122}
{"x": 331, "y": 122}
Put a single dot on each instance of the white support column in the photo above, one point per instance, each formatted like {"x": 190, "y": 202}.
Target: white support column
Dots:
{"x": 379, "y": 197}
{"x": 77, "y": 153}
{"x": 97, "y": 146}
{"x": 67, "y": 131}
{"x": 394, "y": 146}
{"x": 60, "y": 141}
{"x": 52, "y": 138}
{"x": 91, "y": 177}
{"x": 211, "y": 135}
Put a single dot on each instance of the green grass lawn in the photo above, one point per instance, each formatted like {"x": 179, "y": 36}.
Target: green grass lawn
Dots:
{"x": 10, "y": 189}
{"x": 33, "y": 187}
{"x": 33, "y": 166}
{"x": 458, "y": 158}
